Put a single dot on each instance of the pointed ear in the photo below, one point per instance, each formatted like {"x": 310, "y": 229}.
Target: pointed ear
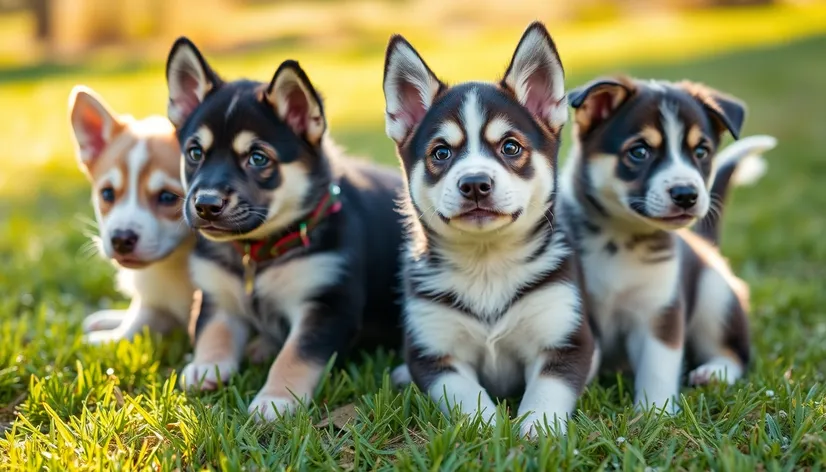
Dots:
{"x": 296, "y": 102}
{"x": 409, "y": 88}
{"x": 189, "y": 79}
{"x": 596, "y": 101}
{"x": 93, "y": 123}
{"x": 728, "y": 112}
{"x": 536, "y": 78}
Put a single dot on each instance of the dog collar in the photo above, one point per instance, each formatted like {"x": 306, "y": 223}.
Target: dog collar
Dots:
{"x": 267, "y": 249}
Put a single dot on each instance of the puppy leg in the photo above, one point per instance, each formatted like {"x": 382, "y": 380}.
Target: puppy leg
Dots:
{"x": 104, "y": 320}
{"x": 450, "y": 383}
{"x": 722, "y": 350}
{"x": 129, "y": 323}
{"x": 656, "y": 355}
{"x": 323, "y": 331}
{"x": 219, "y": 346}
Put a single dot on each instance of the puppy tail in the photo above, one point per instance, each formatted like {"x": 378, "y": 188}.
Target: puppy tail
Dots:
{"x": 740, "y": 163}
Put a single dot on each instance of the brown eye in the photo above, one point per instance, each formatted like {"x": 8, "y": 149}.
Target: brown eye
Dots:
{"x": 511, "y": 148}
{"x": 441, "y": 153}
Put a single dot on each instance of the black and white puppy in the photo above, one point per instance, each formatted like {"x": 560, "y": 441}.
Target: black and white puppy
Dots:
{"x": 297, "y": 243}
{"x": 492, "y": 300}
{"x": 644, "y": 166}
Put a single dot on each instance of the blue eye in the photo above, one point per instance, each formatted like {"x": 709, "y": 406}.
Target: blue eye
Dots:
{"x": 167, "y": 198}
{"x": 511, "y": 148}
{"x": 441, "y": 153}
{"x": 195, "y": 153}
{"x": 108, "y": 195}
{"x": 639, "y": 153}
{"x": 701, "y": 152}
{"x": 258, "y": 159}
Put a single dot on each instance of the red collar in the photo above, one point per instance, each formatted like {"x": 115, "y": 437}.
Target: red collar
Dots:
{"x": 266, "y": 249}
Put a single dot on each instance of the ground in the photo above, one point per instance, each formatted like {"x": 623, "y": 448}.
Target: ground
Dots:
{"x": 67, "y": 405}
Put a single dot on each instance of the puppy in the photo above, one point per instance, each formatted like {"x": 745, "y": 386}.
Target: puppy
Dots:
{"x": 299, "y": 244}
{"x": 137, "y": 194}
{"x": 641, "y": 171}
{"x": 492, "y": 300}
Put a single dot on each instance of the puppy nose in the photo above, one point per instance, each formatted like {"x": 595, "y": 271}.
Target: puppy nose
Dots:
{"x": 209, "y": 207}
{"x": 684, "y": 196}
{"x": 124, "y": 241}
{"x": 475, "y": 186}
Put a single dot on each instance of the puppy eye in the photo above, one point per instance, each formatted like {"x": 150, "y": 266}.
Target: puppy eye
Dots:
{"x": 639, "y": 153}
{"x": 258, "y": 159}
{"x": 511, "y": 148}
{"x": 441, "y": 153}
{"x": 701, "y": 152}
{"x": 167, "y": 198}
{"x": 195, "y": 153}
{"x": 107, "y": 195}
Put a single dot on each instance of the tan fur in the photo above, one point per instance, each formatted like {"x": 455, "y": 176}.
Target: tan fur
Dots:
{"x": 694, "y": 136}
{"x": 215, "y": 343}
{"x": 652, "y": 136}
{"x": 291, "y": 374}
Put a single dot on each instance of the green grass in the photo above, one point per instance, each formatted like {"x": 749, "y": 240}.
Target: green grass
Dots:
{"x": 65, "y": 405}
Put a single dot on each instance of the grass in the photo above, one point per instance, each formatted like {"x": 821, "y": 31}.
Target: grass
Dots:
{"x": 64, "y": 405}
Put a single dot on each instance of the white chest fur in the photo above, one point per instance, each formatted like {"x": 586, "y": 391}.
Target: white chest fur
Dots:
{"x": 625, "y": 291}
{"x": 282, "y": 290}
{"x": 497, "y": 348}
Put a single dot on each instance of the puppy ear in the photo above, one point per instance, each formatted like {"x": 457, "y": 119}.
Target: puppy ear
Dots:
{"x": 409, "y": 88}
{"x": 189, "y": 79}
{"x": 93, "y": 123}
{"x": 728, "y": 112}
{"x": 296, "y": 102}
{"x": 536, "y": 77}
{"x": 596, "y": 101}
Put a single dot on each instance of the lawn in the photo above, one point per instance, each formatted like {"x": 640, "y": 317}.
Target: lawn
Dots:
{"x": 66, "y": 405}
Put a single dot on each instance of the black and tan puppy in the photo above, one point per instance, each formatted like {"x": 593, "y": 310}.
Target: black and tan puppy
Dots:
{"x": 492, "y": 300}
{"x": 645, "y": 165}
{"x": 299, "y": 244}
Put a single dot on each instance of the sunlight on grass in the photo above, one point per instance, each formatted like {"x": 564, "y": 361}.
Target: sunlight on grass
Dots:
{"x": 349, "y": 77}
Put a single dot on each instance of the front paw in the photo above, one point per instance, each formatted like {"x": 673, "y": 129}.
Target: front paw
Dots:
{"x": 105, "y": 320}
{"x": 535, "y": 422}
{"x": 266, "y": 407}
{"x": 206, "y": 375}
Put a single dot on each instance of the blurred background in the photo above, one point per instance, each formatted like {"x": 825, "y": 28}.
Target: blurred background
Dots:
{"x": 770, "y": 53}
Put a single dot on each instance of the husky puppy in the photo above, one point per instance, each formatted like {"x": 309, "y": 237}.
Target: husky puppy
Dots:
{"x": 492, "y": 299}
{"x": 643, "y": 168}
{"x": 299, "y": 244}
{"x": 137, "y": 195}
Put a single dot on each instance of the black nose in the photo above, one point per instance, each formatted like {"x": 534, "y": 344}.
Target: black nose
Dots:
{"x": 209, "y": 207}
{"x": 475, "y": 186}
{"x": 684, "y": 196}
{"x": 124, "y": 241}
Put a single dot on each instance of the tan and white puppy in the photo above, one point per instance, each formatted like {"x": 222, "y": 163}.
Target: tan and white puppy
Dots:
{"x": 645, "y": 166}
{"x": 492, "y": 302}
{"x": 134, "y": 167}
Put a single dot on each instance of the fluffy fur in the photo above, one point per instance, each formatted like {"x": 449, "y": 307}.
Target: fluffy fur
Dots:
{"x": 492, "y": 300}
{"x": 645, "y": 166}
{"x": 132, "y": 166}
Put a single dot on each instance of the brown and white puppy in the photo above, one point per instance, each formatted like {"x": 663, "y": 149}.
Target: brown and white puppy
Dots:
{"x": 299, "y": 244}
{"x": 492, "y": 299}
{"x": 133, "y": 166}
{"x": 644, "y": 166}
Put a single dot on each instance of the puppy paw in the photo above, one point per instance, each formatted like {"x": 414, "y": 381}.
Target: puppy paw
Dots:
{"x": 720, "y": 370}
{"x": 265, "y": 407}
{"x": 206, "y": 375}
{"x": 105, "y": 320}
{"x": 260, "y": 350}
{"x": 535, "y": 422}
{"x": 400, "y": 377}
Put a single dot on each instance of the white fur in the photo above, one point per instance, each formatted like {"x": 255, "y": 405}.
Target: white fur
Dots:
{"x": 462, "y": 389}
{"x": 497, "y": 129}
{"x": 657, "y": 370}
{"x": 747, "y": 154}
{"x": 547, "y": 400}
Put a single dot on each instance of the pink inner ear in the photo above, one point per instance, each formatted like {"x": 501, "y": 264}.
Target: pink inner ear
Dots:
{"x": 92, "y": 140}
{"x": 599, "y": 106}
{"x": 298, "y": 109}
{"x": 539, "y": 99}
{"x": 188, "y": 100}
{"x": 412, "y": 110}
